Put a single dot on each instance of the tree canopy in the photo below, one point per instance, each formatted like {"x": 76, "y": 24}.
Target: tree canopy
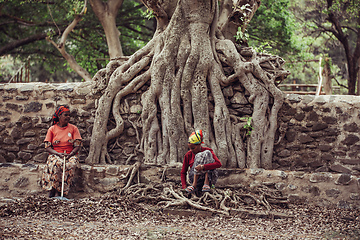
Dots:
{"x": 273, "y": 28}
{"x": 299, "y": 31}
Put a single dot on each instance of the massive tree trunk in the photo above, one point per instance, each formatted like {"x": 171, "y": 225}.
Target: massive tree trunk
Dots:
{"x": 184, "y": 66}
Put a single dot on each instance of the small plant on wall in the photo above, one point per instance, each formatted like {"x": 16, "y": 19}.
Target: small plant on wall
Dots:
{"x": 247, "y": 125}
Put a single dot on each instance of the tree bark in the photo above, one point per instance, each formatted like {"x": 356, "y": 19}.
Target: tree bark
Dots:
{"x": 327, "y": 77}
{"x": 358, "y": 78}
{"x": 184, "y": 67}
{"x": 235, "y": 16}
{"x": 106, "y": 13}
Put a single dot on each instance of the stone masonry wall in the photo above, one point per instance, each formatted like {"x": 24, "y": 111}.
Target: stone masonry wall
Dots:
{"x": 315, "y": 133}
{"x": 26, "y": 114}
{"x": 316, "y": 156}
{"x": 319, "y": 134}
{"x": 320, "y": 188}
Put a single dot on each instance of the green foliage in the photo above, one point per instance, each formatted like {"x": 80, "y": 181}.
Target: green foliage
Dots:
{"x": 148, "y": 14}
{"x": 20, "y": 19}
{"x": 135, "y": 29}
{"x": 241, "y": 36}
{"x": 8, "y": 66}
{"x": 291, "y": 29}
{"x": 313, "y": 14}
{"x": 273, "y": 27}
{"x": 248, "y": 126}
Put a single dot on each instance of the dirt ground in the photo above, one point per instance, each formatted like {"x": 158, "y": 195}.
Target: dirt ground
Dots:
{"x": 115, "y": 217}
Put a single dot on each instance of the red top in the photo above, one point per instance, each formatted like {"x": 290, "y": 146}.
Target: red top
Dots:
{"x": 189, "y": 161}
{"x": 66, "y": 135}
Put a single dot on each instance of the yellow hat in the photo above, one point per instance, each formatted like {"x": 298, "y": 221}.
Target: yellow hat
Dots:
{"x": 196, "y": 137}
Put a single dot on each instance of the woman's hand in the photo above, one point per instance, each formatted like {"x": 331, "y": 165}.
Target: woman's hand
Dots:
{"x": 199, "y": 168}
{"x": 73, "y": 152}
{"x": 52, "y": 151}
{"x": 67, "y": 156}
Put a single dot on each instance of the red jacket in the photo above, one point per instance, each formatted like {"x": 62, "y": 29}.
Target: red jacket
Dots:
{"x": 189, "y": 161}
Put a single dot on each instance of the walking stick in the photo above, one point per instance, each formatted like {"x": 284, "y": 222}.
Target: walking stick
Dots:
{"x": 62, "y": 183}
{"x": 63, "y": 177}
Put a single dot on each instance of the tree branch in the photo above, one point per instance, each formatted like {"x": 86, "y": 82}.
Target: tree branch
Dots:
{"x": 19, "y": 20}
{"x": 13, "y": 45}
{"x": 61, "y": 46}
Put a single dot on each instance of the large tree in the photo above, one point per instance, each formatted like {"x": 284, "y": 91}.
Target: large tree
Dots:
{"x": 186, "y": 65}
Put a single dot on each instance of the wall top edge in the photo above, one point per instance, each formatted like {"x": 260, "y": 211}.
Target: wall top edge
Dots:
{"x": 294, "y": 98}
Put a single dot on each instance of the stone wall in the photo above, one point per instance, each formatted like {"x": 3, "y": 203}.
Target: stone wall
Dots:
{"x": 316, "y": 156}
{"x": 26, "y": 113}
{"x": 319, "y": 134}
{"x": 316, "y": 133}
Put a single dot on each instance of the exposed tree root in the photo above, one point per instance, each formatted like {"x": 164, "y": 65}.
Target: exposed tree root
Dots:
{"x": 218, "y": 201}
{"x": 134, "y": 170}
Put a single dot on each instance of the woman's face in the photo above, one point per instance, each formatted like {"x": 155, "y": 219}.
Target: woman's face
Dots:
{"x": 64, "y": 118}
{"x": 195, "y": 148}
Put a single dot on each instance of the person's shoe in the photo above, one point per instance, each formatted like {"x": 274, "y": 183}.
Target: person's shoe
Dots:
{"x": 206, "y": 188}
{"x": 52, "y": 193}
{"x": 58, "y": 193}
{"x": 190, "y": 189}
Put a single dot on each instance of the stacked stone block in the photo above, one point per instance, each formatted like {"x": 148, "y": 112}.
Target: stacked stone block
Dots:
{"x": 322, "y": 134}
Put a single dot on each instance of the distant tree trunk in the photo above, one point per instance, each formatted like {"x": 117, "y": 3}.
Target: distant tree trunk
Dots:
{"x": 343, "y": 37}
{"x": 184, "y": 65}
{"x": 106, "y": 13}
{"x": 327, "y": 77}
{"x": 358, "y": 78}
{"x": 353, "y": 72}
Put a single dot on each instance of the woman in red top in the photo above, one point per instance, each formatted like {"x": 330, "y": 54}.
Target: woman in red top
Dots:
{"x": 63, "y": 140}
{"x": 202, "y": 162}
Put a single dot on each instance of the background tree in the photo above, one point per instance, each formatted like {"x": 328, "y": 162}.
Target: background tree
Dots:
{"x": 337, "y": 21}
{"x": 286, "y": 28}
{"x": 183, "y": 70}
{"x": 24, "y": 26}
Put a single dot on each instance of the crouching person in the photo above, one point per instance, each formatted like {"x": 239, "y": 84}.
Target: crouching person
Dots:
{"x": 203, "y": 165}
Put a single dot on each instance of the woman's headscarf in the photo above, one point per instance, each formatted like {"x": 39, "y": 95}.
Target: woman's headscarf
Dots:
{"x": 58, "y": 112}
{"x": 196, "y": 137}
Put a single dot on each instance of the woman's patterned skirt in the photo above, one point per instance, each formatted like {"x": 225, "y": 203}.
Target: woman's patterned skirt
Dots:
{"x": 52, "y": 175}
